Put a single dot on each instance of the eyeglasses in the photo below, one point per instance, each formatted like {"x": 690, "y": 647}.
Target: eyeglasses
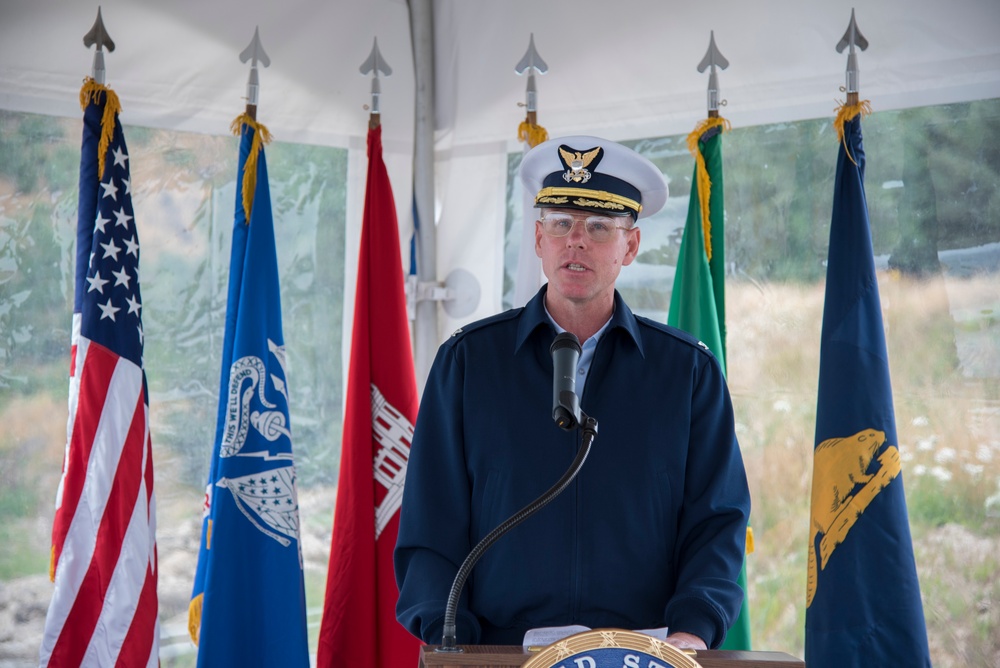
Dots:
{"x": 599, "y": 228}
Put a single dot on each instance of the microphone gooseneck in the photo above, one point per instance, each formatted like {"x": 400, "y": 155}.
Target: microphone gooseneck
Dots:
{"x": 449, "y": 638}
{"x": 566, "y": 412}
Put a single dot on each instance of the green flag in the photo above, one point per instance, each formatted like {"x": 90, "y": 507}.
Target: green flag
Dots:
{"x": 698, "y": 301}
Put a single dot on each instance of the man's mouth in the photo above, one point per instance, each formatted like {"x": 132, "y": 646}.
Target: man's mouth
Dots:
{"x": 573, "y": 266}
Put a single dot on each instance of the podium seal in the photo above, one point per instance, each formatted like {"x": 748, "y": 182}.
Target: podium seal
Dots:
{"x": 611, "y": 648}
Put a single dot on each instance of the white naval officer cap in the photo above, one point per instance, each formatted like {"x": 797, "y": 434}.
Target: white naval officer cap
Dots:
{"x": 593, "y": 174}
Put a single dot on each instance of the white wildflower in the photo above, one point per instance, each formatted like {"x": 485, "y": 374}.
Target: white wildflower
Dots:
{"x": 993, "y": 505}
{"x": 941, "y": 473}
{"x": 944, "y": 455}
{"x": 975, "y": 470}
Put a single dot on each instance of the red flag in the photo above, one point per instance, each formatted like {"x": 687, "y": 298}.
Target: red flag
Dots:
{"x": 359, "y": 617}
{"x": 104, "y": 606}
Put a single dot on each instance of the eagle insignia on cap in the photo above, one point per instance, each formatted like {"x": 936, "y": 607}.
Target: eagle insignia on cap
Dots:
{"x": 577, "y": 163}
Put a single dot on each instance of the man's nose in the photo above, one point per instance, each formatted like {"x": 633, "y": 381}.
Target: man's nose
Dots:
{"x": 578, "y": 234}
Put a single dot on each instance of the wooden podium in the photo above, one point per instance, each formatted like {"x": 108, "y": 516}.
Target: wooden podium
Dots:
{"x": 507, "y": 656}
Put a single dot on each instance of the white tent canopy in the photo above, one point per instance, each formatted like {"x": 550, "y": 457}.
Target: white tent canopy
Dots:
{"x": 627, "y": 67}
{"x": 624, "y": 69}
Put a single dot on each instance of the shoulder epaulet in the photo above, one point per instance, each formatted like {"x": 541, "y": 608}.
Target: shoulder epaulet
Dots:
{"x": 676, "y": 333}
{"x": 465, "y": 330}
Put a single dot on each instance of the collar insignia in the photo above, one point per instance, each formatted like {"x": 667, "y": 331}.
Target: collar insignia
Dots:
{"x": 578, "y": 162}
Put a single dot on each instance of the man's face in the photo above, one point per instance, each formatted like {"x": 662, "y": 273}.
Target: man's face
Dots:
{"x": 580, "y": 269}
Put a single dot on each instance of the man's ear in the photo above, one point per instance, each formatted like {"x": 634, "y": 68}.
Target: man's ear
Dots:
{"x": 632, "y": 248}
{"x": 538, "y": 238}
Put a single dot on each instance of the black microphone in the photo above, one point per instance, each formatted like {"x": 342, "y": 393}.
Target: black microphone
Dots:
{"x": 565, "y": 403}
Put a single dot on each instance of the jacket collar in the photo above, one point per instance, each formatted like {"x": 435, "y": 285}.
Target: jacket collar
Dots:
{"x": 533, "y": 316}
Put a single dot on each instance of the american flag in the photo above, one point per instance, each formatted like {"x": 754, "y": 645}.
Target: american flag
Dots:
{"x": 104, "y": 605}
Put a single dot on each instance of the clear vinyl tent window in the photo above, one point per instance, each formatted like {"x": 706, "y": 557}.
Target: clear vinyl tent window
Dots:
{"x": 183, "y": 190}
{"x": 933, "y": 190}
{"x": 933, "y": 187}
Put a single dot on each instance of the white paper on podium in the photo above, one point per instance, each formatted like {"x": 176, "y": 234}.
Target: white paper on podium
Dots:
{"x": 544, "y": 636}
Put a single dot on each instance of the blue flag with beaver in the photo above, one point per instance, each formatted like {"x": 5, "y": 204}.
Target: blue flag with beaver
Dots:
{"x": 862, "y": 595}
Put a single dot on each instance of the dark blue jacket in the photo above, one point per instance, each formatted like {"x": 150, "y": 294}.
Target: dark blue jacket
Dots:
{"x": 650, "y": 534}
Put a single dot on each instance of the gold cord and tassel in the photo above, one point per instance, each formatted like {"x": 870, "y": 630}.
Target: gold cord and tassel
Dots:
{"x": 846, "y": 112}
{"x": 261, "y": 136}
{"x": 704, "y": 182}
{"x": 531, "y": 133}
{"x": 92, "y": 91}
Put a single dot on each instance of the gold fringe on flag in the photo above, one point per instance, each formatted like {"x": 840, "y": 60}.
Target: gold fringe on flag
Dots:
{"x": 194, "y": 607}
{"x": 846, "y": 112}
{"x": 91, "y": 91}
{"x": 531, "y": 133}
{"x": 703, "y": 181}
{"x": 261, "y": 136}
{"x": 194, "y": 617}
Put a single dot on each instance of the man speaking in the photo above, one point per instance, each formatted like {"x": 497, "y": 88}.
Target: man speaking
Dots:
{"x": 651, "y": 532}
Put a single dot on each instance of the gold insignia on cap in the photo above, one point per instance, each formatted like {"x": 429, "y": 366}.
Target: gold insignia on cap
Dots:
{"x": 551, "y": 200}
{"x": 600, "y": 199}
{"x": 577, "y": 163}
{"x": 593, "y": 203}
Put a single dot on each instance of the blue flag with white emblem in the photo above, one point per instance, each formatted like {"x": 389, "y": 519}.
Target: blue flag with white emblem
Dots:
{"x": 862, "y": 594}
{"x": 248, "y": 604}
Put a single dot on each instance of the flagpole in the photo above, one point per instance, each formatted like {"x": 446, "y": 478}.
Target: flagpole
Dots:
{"x": 98, "y": 35}
{"x": 103, "y": 609}
{"x": 250, "y": 536}
{"x": 529, "y": 131}
{"x": 713, "y": 58}
{"x": 697, "y": 303}
{"x": 255, "y": 53}
{"x": 852, "y": 38}
{"x": 359, "y": 626}
{"x": 375, "y": 64}
{"x": 529, "y": 269}
{"x": 863, "y": 604}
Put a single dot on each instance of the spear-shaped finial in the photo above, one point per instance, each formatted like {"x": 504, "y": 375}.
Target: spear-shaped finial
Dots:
{"x": 98, "y": 35}
{"x": 713, "y": 58}
{"x": 852, "y": 38}
{"x": 531, "y": 62}
{"x": 375, "y": 64}
{"x": 256, "y": 54}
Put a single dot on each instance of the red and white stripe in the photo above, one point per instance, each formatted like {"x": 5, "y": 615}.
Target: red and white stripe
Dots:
{"x": 104, "y": 607}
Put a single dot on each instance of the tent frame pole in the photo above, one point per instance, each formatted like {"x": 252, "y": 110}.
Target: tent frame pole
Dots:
{"x": 426, "y": 310}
